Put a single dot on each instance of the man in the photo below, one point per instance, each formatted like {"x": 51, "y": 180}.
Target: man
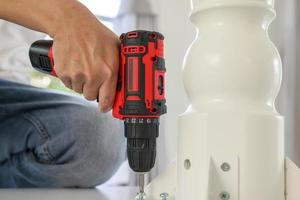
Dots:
{"x": 50, "y": 139}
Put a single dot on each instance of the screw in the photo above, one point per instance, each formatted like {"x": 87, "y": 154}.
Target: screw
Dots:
{"x": 225, "y": 167}
{"x": 164, "y": 196}
{"x": 140, "y": 196}
{"x": 224, "y": 196}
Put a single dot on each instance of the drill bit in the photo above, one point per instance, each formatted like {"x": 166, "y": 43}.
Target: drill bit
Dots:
{"x": 141, "y": 177}
{"x": 141, "y": 195}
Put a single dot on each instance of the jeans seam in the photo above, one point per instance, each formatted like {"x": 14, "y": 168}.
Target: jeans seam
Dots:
{"x": 45, "y": 136}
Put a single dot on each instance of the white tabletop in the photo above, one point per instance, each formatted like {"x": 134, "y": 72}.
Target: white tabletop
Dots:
{"x": 101, "y": 193}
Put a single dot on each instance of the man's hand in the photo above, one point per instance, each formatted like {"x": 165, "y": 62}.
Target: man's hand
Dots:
{"x": 86, "y": 53}
{"x": 86, "y": 56}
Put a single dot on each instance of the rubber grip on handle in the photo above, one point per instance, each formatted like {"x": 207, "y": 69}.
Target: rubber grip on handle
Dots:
{"x": 41, "y": 56}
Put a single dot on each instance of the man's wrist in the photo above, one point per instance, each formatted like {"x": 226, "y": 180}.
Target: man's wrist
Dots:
{"x": 71, "y": 14}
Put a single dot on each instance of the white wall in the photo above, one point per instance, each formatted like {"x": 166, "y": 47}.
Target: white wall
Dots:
{"x": 284, "y": 34}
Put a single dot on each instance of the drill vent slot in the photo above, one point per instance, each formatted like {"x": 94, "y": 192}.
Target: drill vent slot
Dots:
{"x": 45, "y": 63}
{"x": 134, "y": 49}
{"x": 132, "y": 35}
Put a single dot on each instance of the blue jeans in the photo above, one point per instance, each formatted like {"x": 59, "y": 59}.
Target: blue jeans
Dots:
{"x": 51, "y": 139}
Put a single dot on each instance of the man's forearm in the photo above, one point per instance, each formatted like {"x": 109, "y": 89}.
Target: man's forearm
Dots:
{"x": 41, "y": 15}
{"x": 86, "y": 53}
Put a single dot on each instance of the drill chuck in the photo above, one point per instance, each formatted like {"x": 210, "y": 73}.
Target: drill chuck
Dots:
{"x": 141, "y": 134}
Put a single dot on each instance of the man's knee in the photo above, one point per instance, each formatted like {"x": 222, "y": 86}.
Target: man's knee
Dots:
{"x": 91, "y": 150}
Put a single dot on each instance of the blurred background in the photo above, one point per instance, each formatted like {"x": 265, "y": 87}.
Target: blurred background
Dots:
{"x": 169, "y": 17}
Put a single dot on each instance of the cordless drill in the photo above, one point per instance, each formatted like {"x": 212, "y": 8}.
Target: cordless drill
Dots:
{"x": 140, "y": 95}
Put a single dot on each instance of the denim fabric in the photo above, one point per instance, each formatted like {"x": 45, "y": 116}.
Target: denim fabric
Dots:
{"x": 51, "y": 139}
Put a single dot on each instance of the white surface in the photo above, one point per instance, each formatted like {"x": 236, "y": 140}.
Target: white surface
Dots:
{"x": 232, "y": 75}
{"x": 292, "y": 180}
{"x": 200, "y": 4}
{"x": 103, "y": 193}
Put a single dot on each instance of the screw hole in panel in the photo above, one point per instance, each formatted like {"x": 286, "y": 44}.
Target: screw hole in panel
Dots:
{"x": 187, "y": 164}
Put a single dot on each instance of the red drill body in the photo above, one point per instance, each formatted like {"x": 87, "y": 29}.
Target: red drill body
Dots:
{"x": 140, "y": 97}
{"x": 141, "y": 90}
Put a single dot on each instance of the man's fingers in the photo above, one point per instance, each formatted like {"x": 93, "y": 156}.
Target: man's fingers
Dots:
{"x": 67, "y": 82}
{"x": 107, "y": 95}
{"x": 77, "y": 86}
{"x": 91, "y": 91}
{"x": 78, "y": 80}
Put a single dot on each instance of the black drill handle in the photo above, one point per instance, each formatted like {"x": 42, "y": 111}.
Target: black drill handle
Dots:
{"x": 41, "y": 56}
